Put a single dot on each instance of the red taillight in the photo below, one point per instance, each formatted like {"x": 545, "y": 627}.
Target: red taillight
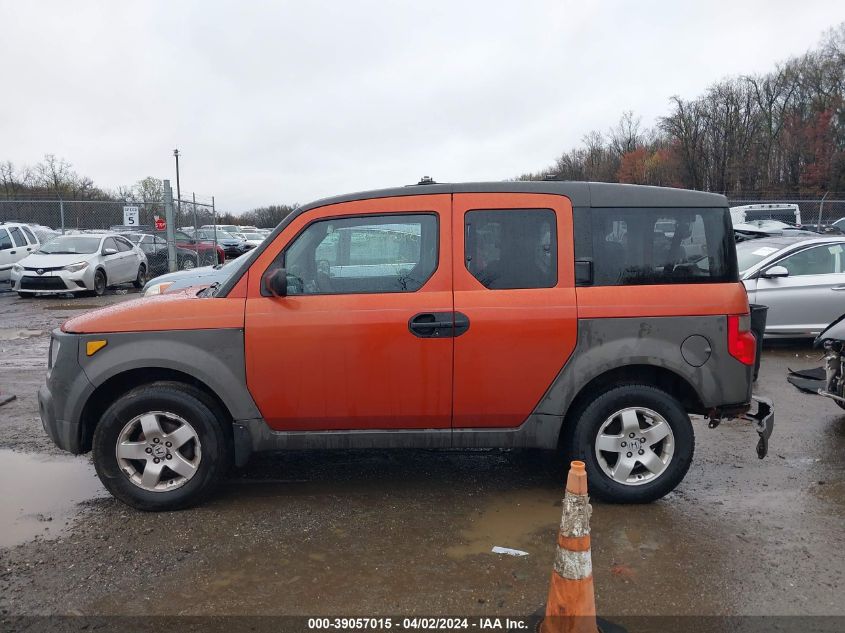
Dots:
{"x": 742, "y": 344}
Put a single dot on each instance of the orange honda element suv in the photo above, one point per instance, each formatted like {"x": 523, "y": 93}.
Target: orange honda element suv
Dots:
{"x": 585, "y": 318}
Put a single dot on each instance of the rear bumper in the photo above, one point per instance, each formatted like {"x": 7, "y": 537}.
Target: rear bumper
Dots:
{"x": 760, "y": 412}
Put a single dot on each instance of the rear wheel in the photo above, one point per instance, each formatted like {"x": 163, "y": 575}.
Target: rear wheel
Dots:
{"x": 187, "y": 264}
{"x": 161, "y": 447}
{"x": 637, "y": 442}
{"x": 141, "y": 278}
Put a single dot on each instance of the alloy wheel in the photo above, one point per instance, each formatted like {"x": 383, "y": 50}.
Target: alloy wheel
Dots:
{"x": 158, "y": 451}
{"x": 634, "y": 446}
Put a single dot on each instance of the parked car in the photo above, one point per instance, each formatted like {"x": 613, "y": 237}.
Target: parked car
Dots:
{"x": 44, "y": 233}
{"x": 206, "y": 251}
{"x": 155, "y": 248}
{"x": 784, "y": 211}
{"x": 773, "y": 227}
{"x": 231, "y": 245}
{"x": 78, "y": 263}
{"x": 17, "y": 240}
{"x": 254, "y": 238}
{"x": 367, "y": 321}
{"x": 801, "y": 279}
{"x": 228, "y": 228}
{"x": 204, "y": 276}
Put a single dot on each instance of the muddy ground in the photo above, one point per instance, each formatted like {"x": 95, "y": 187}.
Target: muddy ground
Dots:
{"x": 382, "y": 532}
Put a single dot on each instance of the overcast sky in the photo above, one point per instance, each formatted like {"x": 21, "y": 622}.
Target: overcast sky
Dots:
{"x": 273, "y": 102}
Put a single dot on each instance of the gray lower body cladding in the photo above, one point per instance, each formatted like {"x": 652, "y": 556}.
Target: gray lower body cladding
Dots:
{"x": 213, "y": 357}
{"x": 692, "y": 349}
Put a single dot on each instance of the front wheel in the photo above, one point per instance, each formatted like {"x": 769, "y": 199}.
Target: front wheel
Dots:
{"x": 99, "y": 283}
{"x": 637, "y": 442}
{"x": 141, "y": 278}
{"x": 161, "y": 446}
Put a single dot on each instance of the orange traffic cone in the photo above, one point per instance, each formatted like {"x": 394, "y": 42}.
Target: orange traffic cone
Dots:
{"x": 571, "y": 607}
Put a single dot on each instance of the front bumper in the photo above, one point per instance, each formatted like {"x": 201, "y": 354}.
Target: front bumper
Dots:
{"x": 52, "y": 282}
{"x": 62, "y": 396}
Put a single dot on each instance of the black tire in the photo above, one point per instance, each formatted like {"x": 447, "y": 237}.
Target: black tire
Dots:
{"x": 194, "y": 407}
{"x": 583, "y": 435}
{"x": 25, "y": 295}
{"x": 100, "y": 283}
{"x": 141, "y": 278}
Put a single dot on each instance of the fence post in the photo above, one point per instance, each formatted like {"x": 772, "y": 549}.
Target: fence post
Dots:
{"x": 214, "y": 223}
{"x": 171, "y": 232}
{"x": 62, "y": 213}
{"x": 196, "y": 223}
{"x": 821, "y": 206}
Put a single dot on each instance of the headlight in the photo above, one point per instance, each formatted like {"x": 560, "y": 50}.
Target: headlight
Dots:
{"x": 157, "y": 289}
{"x": 75, "y": 268}
{"x": 17, "y": 268}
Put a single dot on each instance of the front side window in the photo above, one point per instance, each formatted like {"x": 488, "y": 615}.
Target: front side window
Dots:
{"x": 636, "y": 246}
{"x": 513, "y": 248}
{"x": 123, "y": 245}
{"x": 362, "y": 254}
{"x": 5, "y": 240}
{"x": 820, "y": 260}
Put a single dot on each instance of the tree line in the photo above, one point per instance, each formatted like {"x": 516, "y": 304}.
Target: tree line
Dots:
{"x": 782, "y": 132}
{"x": 55, "y": 178}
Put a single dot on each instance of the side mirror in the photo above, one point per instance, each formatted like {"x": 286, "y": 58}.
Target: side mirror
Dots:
{"x": 109, "y": 251}
{"x": 276, "y": 282}
{"x": 775, "y": 271}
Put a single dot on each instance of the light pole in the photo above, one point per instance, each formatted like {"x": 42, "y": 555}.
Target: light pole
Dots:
{"x": 178, "y": 189}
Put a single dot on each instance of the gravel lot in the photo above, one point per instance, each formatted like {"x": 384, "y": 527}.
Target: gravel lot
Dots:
{"x": 382, "y": 532}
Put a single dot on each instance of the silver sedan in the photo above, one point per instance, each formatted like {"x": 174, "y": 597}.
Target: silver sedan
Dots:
{"x": 801, "y": 279}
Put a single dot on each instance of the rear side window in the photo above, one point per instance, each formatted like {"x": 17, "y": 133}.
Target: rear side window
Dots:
{"x": 29, "y": 234}
{"x": 5, "y": 240}
{"x": 512, "y": 248}
{"x": 363, "y": 254}
{"x": 639, "y": 246}
{"x": 17, "y": 236}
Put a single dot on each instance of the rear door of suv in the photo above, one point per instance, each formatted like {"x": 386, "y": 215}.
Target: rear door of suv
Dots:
{"x": 363, "y": 339}
{"x": 514, "y": 284}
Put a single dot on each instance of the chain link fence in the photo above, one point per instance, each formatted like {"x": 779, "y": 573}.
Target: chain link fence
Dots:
{"x": 143, "y": 222}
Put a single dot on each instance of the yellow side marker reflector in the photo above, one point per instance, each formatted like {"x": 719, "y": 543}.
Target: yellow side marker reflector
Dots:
{"x": 92, "y": 347}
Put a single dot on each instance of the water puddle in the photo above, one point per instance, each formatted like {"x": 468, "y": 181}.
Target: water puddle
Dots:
{"x": 73, "y": 306}
{"x": 40, "y": 494}
{"x": 510, "y": 520}
{"x": 14, "y": 334}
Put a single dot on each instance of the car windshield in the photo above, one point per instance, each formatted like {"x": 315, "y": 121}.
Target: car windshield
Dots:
{"x": 133, "y": 237}
{"x": 751, "y": 253}
{"x": 71, "y": 244}
{"x": 254, "y": 236}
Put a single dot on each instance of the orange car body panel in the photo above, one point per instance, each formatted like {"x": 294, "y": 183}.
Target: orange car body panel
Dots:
{"x": 518, "y": 340}
{"x": 333, "y": 362}
{"x": 662, "y": 300}
{"x": 178, "y": 311}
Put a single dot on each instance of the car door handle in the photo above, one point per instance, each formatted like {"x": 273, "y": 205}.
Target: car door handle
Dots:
{"x": 438, "y": 324}
{"x": 838, "y": 287}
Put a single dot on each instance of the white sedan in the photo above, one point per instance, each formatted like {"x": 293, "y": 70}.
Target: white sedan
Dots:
{"x": 80, "y": 263}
